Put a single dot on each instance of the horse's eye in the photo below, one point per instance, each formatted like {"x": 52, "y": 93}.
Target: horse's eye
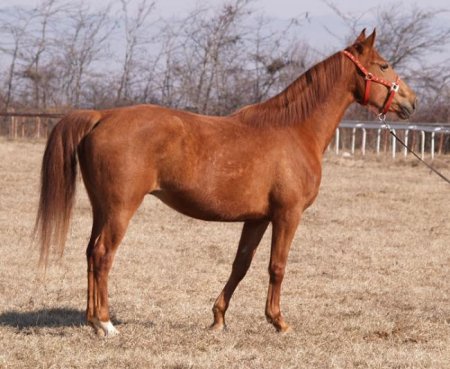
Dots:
{"x": 384, "y": 67}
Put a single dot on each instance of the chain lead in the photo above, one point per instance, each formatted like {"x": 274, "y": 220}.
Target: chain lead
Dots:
{"x": 382, "y": 118}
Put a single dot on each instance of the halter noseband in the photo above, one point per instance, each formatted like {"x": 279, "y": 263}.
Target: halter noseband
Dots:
{"x": 369, "y": 77}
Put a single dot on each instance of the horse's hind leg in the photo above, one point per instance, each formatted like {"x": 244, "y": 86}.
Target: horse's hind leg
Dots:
{"x": 96, "y": 228}
{"x": 251, "y": 236}
{"x": 100, "y": 259}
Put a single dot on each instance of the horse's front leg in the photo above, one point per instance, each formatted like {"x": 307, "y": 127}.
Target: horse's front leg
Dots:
{"x": 284, "y": 226}
{"x": 251, "y": 236}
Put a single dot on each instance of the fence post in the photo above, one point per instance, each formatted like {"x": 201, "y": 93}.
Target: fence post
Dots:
{"x": 353, "y": 141}
{"x": 11, "y": 127}
{"x": 422, "y": 144}
{"x": 406, "y": 142}
{"x": 433, "y": 135}
{"x": 13, "y": 133}
{"x": 441, "y": 143}
{"x": 364, "y": 139}
{"x": 378, "y": 140}
{"x": 336, "y": 144}
{"x": 394, "y": 144}
{"x": 38, "y": 127}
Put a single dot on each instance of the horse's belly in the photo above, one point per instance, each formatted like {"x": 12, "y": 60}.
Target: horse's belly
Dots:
{"x": 202, "y": 205}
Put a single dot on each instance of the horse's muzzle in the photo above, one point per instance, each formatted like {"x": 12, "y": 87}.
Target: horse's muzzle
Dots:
{"x": 407, "y": 109}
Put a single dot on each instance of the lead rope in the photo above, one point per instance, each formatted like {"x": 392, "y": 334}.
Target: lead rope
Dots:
{"x": 382, "y": 118}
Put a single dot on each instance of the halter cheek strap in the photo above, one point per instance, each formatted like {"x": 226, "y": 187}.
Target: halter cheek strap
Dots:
{"x": 369, "y": 78}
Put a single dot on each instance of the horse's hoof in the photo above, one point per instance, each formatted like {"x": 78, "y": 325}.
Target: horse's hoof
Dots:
{"x": 280, "y": 325}
{"x": 218, "y": 327}
{"x": 99, "y": 332}
{"x": 284, "y": 329}
{"x": 104, "y": 329}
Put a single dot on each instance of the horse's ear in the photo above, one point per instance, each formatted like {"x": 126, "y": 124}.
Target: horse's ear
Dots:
{"x": 370, "y": 41}
{"x": 361, "y": 37}
{"x": 359, "y": 42}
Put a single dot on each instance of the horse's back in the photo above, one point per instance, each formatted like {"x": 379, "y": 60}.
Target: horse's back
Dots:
{"x": 206, "y": 167}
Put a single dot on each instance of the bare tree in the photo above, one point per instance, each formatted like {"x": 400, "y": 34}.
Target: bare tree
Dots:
{"x": 136, "y": 28}
{"x": 278, "y": 55}
{"x": 216, "y": 60}
{"x": 213, "y": 60}
{"x": 210, "y": 50}
{"x": 15, "y": 23}
{"x": 83, "y": 43}
{"x": 161, "y": 71}
{"x": 409, "y": 36}
{"x": 37, "y": 44}
{"x": 404, "y": 35}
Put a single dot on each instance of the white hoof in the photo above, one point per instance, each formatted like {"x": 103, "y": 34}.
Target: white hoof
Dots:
{"x": 106, "y": 328}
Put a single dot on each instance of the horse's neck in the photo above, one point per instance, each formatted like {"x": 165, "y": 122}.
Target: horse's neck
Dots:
{"x": 323, "y": 122}
{"x": 315, "y": 103}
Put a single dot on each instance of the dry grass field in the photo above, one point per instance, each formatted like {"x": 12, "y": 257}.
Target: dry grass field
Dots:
{"x": 367, "y": 283}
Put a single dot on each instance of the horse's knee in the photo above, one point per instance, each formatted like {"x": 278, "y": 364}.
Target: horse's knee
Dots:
{"x": 90, "y": 249}
{"x": 100, "y": 257}
{"x": 276, "y": 272}
{"x": 99, "y": 250}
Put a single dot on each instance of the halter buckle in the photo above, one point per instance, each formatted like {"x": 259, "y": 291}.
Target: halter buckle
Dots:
{"x": 382, "y": 117}
{"x": 395, "y": 87}
{"x": 368, "y": 76}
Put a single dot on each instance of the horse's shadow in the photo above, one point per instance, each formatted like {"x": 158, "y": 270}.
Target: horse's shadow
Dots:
{"x": 52, "y": 318}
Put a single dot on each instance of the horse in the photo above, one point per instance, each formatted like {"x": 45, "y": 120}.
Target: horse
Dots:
{"x": 259, "y": 165}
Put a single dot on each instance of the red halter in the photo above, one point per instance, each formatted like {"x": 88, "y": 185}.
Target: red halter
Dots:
{"x": 369, "y": 77}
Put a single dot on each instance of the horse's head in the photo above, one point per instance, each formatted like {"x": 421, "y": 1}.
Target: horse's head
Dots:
{"x": 376, "y": 84}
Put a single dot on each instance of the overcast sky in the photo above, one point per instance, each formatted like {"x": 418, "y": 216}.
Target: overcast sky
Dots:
{"x": 320, "y": 15}
{"x": 275, "y": 8}
{"x": 290, "y": 8}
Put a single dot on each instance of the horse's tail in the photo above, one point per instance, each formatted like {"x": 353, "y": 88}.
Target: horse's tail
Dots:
{"x": 58, "y": 180}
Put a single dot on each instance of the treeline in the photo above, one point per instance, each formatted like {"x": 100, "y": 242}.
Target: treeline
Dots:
{"x": 65, "y": 54}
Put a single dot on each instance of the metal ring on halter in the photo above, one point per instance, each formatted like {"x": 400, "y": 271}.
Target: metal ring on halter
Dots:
{"x": 395, "y": 87}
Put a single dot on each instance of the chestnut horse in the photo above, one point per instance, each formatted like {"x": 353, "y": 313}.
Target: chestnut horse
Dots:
{"x": 259, "y": 165}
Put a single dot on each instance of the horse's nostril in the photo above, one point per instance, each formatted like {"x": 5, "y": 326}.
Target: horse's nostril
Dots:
{"x": 414, "y": 104}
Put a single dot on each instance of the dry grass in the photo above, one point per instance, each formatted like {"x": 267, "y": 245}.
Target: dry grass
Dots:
{"x": 367, "y": 284}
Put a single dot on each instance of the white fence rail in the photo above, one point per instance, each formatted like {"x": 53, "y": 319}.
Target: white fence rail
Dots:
{"x": 427, "y": 133}
{"x": 350, "y": 135}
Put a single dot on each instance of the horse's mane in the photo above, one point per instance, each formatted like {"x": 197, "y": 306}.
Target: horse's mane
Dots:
{"x": 298, "y": 100}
